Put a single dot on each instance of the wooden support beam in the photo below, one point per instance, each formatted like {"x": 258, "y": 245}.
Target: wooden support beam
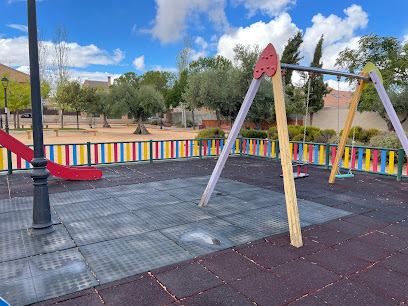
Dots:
{"x": 287, "y": 170}
{"x": 347, "y": 129}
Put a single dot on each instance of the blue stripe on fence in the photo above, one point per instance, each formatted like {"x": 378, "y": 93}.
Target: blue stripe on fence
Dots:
{"x": 74, "y": 151}
{"x": 51, "y": 153}
{"x": 269, "y": 148}
{"x": 122, "y": 158}
{"x": 161, "y": 149}
{"x": 140, "y": 150}
{"x": 191, "y": 147}
{"x": 257, "y": 147}
{"x": 103, "y": 153}
{"x": 360, "y": 159}
{"x": 27, "y": 164}
{"x": 177, "y": 149}
{"x": 383, "y": 160}
{"x": 316, "y": 161}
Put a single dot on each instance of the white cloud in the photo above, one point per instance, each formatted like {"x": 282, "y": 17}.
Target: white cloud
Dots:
{"x": 277, "y": 31}
{"x": 15, "y": 52}
{"x": 405, "y": 39}
{"x": 168, "y": 69}
{"x": 172, "y": 16}
{"x": 95, "y": 76}
{"x": 345, "y": 86}
{"x": 138, "y": 63}
{"x": 201, "y": 42}
{"x": 134, "y": 28}
{"x": 269, "y": 7}
{"x": 19, "y": 27}
{"x": 338, "y": 33}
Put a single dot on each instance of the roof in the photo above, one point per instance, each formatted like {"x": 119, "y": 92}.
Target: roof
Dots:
{"x": 97, "y": 84}
{"x": 14, "y": 74}
{"x": 330, "y": 100}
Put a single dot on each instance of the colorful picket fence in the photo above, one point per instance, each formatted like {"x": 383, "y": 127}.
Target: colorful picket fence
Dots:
{"x": 365, "y": 159}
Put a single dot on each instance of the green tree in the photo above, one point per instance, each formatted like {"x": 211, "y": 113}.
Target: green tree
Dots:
{"x": 129, "y": 78}
{"x": 318, "y": 89}
{"x": 210, "y": 62}
{"x": 390, "y": 56}
{"x": 18, "y": 97}
{"x": 294, "y": 99}
{"x": 140, "y": 103}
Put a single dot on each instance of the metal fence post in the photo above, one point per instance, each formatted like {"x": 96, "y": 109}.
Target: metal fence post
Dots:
{"x": 151, "y": 150}
{"x": 201, "y": 148}
{"x": 240, "y": 146}
{"x": 277, "y": 149}
{"x": 9, "y": 163}
{"x": 88, "y": 153}
{"x": 327, "y": 163}
{"x": 400, "y": 163}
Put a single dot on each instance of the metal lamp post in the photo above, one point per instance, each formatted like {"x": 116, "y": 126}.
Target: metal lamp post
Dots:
{"x": 5, "y": 82}
{"x": 42, "y": 223}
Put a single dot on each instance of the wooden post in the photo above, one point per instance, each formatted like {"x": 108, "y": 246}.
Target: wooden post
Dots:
{"x": 346, "y": 130}
{"x": 287, "y": 170}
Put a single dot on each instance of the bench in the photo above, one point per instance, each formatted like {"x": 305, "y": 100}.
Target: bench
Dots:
{"x": 30, "y": 131}
{"x": 59, "y": 131}
{"x": 73, "y": 131}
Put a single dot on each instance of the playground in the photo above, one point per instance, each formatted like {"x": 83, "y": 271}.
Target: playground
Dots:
{"x": 213, "y": 230}
{"x": 116, "y": 235}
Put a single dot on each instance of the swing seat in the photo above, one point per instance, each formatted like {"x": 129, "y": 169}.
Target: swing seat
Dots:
{"x": 344, "y": 175}
{"x": 298, "y": 172}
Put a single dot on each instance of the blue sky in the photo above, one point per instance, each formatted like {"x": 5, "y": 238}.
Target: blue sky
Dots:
{"x": 113, "y": 37}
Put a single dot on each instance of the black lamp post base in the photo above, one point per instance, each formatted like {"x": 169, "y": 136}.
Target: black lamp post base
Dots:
{"x": 41, "y": 231}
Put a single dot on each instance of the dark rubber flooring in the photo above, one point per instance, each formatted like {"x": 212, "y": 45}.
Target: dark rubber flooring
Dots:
{"x": 355, "y": 237}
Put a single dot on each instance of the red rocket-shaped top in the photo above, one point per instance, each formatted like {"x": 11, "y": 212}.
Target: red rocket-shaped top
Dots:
{"x": 267, "y": 62}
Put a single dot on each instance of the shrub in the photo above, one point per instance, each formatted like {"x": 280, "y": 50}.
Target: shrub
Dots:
{"x": 350, "y": 135}
{"x": 299, "y": 137}
{"x": 211, "y": 133}
{"x": 254, "y": 134}
{"x": 321, "y": 139}
{"x": 365, "y": 136}
{"x": 155, "y": 122}
{"x": 311, "y": 131}
{"x": 178, "y": 124}
{"x": 272, "y": 132}
{"x": 189, "y": 123}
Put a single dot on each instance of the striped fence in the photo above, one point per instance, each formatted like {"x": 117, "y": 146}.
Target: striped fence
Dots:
{"x": 365, "y": 159}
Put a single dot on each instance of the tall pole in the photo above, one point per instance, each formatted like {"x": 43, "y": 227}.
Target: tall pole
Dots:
{"x": 42, "y": 223}
{"x": 9, "y": 160}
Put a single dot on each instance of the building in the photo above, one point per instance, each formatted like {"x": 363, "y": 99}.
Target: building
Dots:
{"x": 99, "y": 84}
{"x": 14, "y": 74}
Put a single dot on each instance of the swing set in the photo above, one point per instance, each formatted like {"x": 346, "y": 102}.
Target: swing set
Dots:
{"x": 269, "y": 64}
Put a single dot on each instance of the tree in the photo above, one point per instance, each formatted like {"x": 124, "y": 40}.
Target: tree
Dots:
{"x": 129, "y": 78}
{"x": 391, "y": 56}
{"x": 140, "y": 103}
{"x": 61, "y": 64}
{"x": 210, "y": 62}
{"x": 18, "y": 97}
{"x": 318, "y": 89}
{"x": 69, "y": 95}
{"x": 294, "y": 99}
{"x": 101, "y": 104}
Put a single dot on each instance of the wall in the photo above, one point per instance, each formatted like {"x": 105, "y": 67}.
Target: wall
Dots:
{"x": 199, "y": 116}
{"x": 327, "y": 119}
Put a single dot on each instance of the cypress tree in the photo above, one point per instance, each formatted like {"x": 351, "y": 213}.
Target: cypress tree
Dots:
{"x": 318, "y": 89}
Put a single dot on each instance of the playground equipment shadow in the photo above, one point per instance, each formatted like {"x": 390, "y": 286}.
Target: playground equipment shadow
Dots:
{"x": 138, "y": 237}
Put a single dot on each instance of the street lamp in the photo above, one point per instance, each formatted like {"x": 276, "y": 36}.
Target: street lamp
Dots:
{"x": 5, "y": 82}
{"x": 42, "y": 223}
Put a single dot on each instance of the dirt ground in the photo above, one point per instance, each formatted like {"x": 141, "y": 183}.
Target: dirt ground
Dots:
{"x": 115, "y": 133}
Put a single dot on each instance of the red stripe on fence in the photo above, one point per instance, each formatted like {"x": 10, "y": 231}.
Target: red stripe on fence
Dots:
{"x": 217, "y": 142}
{"x": 244, "y": 146}
{"x": 171, "y": 149}
{"x": 18, "y": 161}
{"x": 134, "y": 150}
{"x": 157, "y": 150}
{"x": 310, "y": 153}
{"x": 353, "y": 159}
{"x": 295, "y": 151}
{"x": 115, "y": 150}
{"x": 333, "y": 155}
{"x": 254, "y": 147}
{"x": 96, "y": 153}
{"x": 375, "y": 158}
{"x": 205, "y": 147}
{"x": 45, "y": 152}
{"x": 67, "y": 155}
{"x": 265, "y": 147}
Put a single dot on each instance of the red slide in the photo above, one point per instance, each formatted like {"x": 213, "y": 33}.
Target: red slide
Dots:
{"x": 66, "y": 172}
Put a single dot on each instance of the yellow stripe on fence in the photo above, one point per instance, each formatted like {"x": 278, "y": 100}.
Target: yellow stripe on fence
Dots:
{"x": 145, "y": 151}
{"x": 291, "y": 150}
{"x": 321, "y": 154}
{"x": 167, "y": 149}
{"x": 250, "y": 147}
{"x": 128, "y": 151}
{"x": 195, "y": 147}
{"x": 1, "y": 159}
{"x": 261, "y": 148}
{"x": 305, "y": 151}
{"x": 367, "y": 161}
{"x": 236, "y": 145}
{"x": 213, "y": 147}
{"x": 82, "y": 154}
{"x": 109, "y": 152}
{"x": 391, "y": 163}
{"x": 273, "y": 149}
{"x": 181, "y": 148}
{"x": 59, "y": 149}
{"x": 346, "y": 157}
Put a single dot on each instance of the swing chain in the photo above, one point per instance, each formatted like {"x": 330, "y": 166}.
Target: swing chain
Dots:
{"x": 306, "y": 115}
{"x": 338, "y": 109}
{"x": 355, "y": 122}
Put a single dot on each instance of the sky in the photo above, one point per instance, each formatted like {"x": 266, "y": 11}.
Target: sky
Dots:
{"x": 114, "y": 37}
